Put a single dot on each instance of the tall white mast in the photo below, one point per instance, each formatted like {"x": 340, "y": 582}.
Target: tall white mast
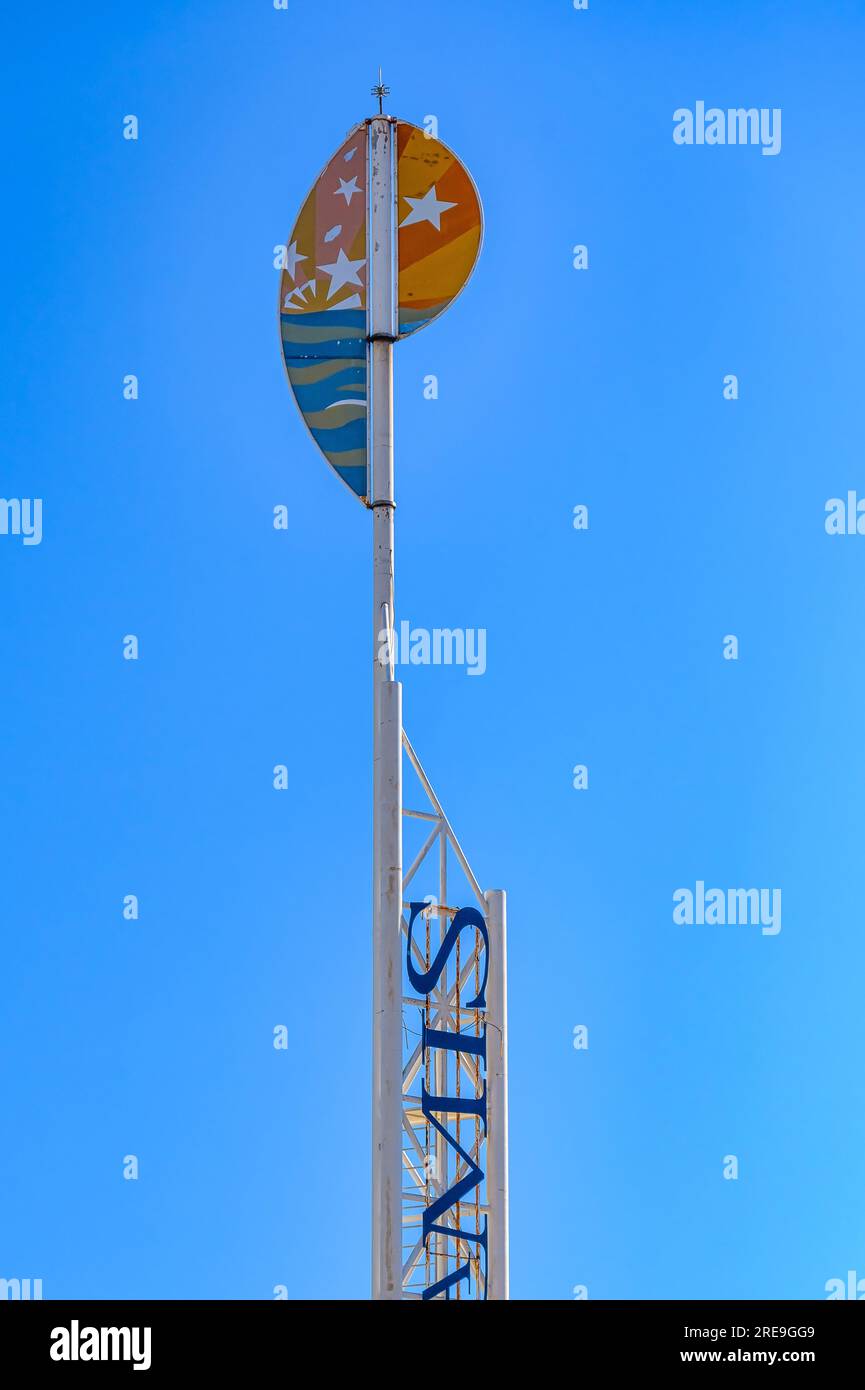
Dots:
{"x": 439, "y": 1113}
{"x": 387, "y": 742}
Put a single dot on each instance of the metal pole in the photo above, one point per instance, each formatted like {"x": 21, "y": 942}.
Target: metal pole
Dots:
{"x": 497, "y": 1095}
{"x": 387, "y": 744}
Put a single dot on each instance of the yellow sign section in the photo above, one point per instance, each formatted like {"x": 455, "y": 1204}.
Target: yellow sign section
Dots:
{"x": 439, "y": 226}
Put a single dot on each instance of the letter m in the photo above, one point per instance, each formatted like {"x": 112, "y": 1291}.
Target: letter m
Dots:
{"x": 743, "y": 906}
{"x": 449, "y": 647}
{"x": 743, "y": 127}
{"x": 472, "y": 1176}
{"x": 115, "y": 1343}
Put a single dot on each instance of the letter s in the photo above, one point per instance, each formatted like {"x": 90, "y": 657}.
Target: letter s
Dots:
{"x": 466, "y": 917}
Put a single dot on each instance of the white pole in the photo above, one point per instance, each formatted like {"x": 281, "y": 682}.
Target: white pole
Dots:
{"x": 497, "y": 1095}
{"x": 387, "y": 745}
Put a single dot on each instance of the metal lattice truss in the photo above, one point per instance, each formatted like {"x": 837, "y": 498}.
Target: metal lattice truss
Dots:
{"x": 447, "y": 1141}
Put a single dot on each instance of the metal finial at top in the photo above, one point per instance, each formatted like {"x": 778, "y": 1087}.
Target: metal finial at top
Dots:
{"x": 381, "y": 92}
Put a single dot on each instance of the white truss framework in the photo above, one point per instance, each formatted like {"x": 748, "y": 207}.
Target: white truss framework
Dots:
{"x": 434, "y": 1162}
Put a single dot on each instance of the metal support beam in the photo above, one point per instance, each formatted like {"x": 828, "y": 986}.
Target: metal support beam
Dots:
{"x": 387, "y": 1166}
{"x": 497, "y": 1094}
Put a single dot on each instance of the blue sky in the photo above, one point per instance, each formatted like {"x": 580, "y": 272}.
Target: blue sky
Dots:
{"x": 557, "y": 387}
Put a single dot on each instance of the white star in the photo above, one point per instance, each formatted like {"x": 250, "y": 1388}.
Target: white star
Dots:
{"x": 427, "y": 209}
{"x": 342, "y": 271}
{"x": 292, "y": 257}
{"x": 346, "y": 189}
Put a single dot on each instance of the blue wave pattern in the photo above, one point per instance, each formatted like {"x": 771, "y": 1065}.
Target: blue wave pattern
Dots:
{"x": 325, "y": 356}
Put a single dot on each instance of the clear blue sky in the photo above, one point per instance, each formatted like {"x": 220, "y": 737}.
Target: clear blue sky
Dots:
{"x": 557, "y": 387}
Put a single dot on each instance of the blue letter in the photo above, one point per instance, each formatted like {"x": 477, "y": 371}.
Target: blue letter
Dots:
{"x": 466, "y": 917}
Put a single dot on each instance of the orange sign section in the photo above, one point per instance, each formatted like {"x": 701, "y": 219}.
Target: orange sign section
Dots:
{"x": 439, "y": 226}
